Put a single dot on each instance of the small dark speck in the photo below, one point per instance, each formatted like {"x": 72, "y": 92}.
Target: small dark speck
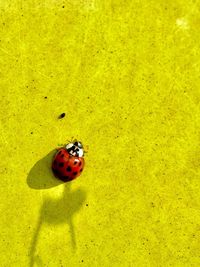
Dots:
{"x": 31, "y": 132}
{"x": 87, "y": 205}
{"x": 61, "y": 116}
{"x": 63, "y": 6}
{"x": 45, "y": 97}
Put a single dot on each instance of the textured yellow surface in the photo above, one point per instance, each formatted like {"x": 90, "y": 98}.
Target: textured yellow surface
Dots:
{"x": 127, "y": 75}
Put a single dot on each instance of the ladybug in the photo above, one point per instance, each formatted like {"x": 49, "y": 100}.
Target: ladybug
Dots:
{"x": 68, "y": 163}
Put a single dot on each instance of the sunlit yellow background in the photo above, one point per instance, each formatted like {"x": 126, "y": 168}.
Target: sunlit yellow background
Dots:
{"x": 127, "y": 75}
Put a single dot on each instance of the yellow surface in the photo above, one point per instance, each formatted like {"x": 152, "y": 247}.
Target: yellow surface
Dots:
{"x": 127, "y": 75}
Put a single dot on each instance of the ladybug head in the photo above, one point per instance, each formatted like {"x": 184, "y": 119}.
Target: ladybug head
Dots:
{"x": 75, "y": 149}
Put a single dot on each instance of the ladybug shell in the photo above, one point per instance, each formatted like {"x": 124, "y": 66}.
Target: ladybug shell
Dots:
{"x": 67, "y": 167}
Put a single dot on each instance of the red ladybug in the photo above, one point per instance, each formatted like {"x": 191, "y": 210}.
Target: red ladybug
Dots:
{"x": 68, "y": 162}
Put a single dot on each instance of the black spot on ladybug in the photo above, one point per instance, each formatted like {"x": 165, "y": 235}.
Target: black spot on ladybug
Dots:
{"x": 59, "y": 152}
{"x": 79, "y": 163}
{"x": 66, "y": 178}
{"x": 62, "y": 155}
{"x": 61, "y": 164}
{"x": 75, "y": 162}
{"x": 62, "y": 115}
{"x": 81, "y": 170}
{"x": 74, "y": 173}
{"x": 68, "y": 169}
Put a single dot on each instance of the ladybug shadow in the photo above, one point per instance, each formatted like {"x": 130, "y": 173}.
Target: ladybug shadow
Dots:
{"x": 54, "y": 211}
{"x": 41, "y": 175}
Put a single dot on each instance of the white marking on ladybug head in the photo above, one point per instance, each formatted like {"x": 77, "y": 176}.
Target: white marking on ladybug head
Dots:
{"x": 80, "y": 152}
{"x": 78, "y": 144}
{"x": 75, "y": 149}
{"x": 70, "y": 145}
{"x": 70, "y": 149}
